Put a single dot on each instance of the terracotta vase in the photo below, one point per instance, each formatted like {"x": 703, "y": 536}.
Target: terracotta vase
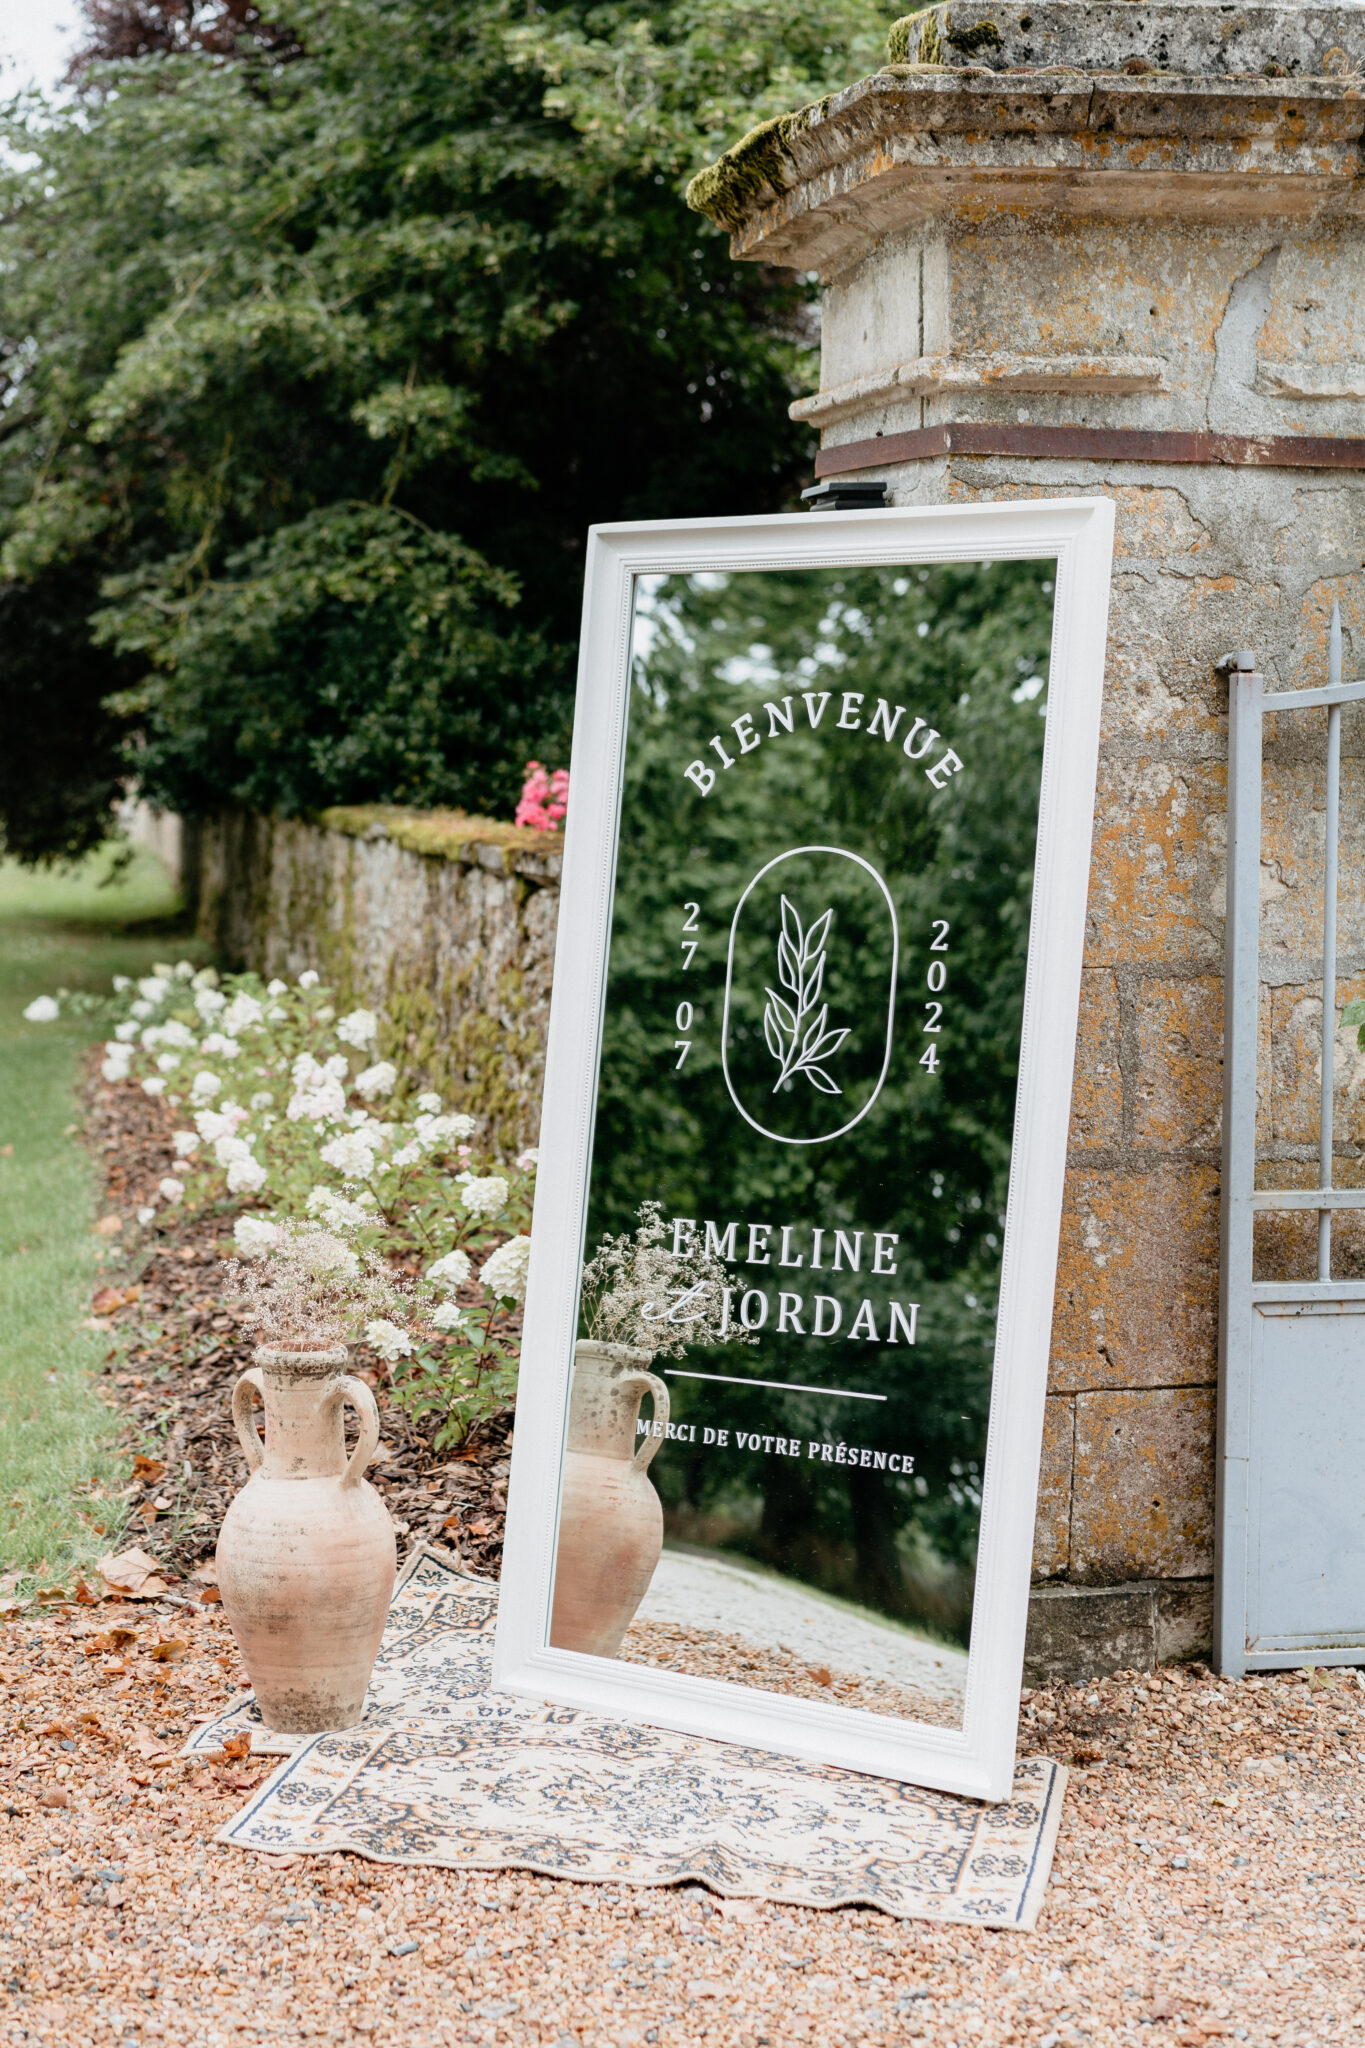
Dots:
{"x": 611, "y": 1526}
{"x": 306, "y": 1554}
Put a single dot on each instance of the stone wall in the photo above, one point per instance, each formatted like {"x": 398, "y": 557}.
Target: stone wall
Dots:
{"x": 443, "y": 923}
{"x": 1035, "y": 281}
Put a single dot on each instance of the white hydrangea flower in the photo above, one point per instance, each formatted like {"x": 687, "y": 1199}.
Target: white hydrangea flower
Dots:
{"x": 176, "y": 1033}
{"x": 140, "y": 1009}
{"x": 112, "y": 1069}
{"x": 338, "y": 1211}
{"x": 358, "y": 1028}
{"x": 207, "y": 977}
{"x": 186, "y": 1143}
{"x": 243, "y": 1013}
{"x": 146, "y": 1214}
{"x": 126, "y": 1030}
{"x": 321, "y": 1105}
{"x": 246, "y": 1177}
{"x": 184, "y": 970}
{"x": 529, "y": 1160}
{"x": 213, "y": 1124}
{"x": 449, "y": 1316}
{"x": 407, "y": 1155}
{"x": 336, "y": 1066}
{"x": 306, "y": 1072}
{"x": 484, "y": 1198}
{"x": 151, "y": 1035}
{"x": 378, "y": 1080}
{"x": 43, "y": 1010}
{"x": 164, "y": 969}
{"x": 452, "y": 1271}
{"x": 217, "y": 1042}
{"x": 262, "y": 1099}
{"x": 205, "y": 1086}
{"x": 254, "y": 1235}
{"x": 230, "y": 1149}
{"x": 351, "y": 1154}
{"x": 210, "y": 1003}
{"x": 275, "y": 1014}
{"x": 115, "y": 1049}
{"x": 276, "y": 987}
{"x": 388, "y": 1340}
{"x": 309, "y": 978}
{"x": 168, "y": 1061}
{"x": 503, "y": 1272}
{"x": 442, "y": 1130}
{"x": 171, "y": 1188}
{"x": 154, "y": 1085}
{"x": 121, "y": 982}
{"x": 429, "y": 1102}
{"x": 154, "y": 988}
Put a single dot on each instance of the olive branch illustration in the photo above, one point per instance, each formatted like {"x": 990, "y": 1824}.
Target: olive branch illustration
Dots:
{"x": 796, "y": 1045}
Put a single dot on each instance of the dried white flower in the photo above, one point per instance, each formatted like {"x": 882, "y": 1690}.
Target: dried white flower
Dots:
{"x": 43, "y": 1010}
{"x": 186, "y": 1143}
{"x": 336, "y": 1211}
{"x": 204, "y": 1086}
{"x": 636, "y": 1291}
{"x": 452, "y": 1271}
{"x": 503, "y": 1272}
{"x": 377, "y": 1081}
{"x": 484, "y": 1199}
{"x": 388, "y": 1340}
{"x": 171, "y": 1188}
{"x": 312, "y": 1286}
{"x": 359, "y": 1028}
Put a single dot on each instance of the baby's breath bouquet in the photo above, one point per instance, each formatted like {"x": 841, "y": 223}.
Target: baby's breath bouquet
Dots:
{"x": 307, "y": 1287}
{"x": 637, "y": 1290}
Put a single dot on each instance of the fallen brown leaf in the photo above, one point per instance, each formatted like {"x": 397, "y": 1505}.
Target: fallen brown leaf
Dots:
{"x": 133, "y": 1574}
{"x": 237, "y": 1745}
{"x": 56, "y": 1796}
{"x": 109, "y": 1226}
{"x": 149, "y": 1470}
{"x": 210, "y": 1597}
{"x": 168, "y": 1652}
{"x": 84, "y": 1595}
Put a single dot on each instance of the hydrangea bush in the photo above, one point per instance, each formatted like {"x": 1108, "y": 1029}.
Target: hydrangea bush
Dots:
{"x": 281, "y": 1102}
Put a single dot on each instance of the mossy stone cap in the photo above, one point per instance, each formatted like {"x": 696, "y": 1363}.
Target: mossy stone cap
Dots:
{"x": 995, "y": 86}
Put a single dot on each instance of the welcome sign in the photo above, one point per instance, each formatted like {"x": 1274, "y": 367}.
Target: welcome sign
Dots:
{"x": 807, "y": 1097}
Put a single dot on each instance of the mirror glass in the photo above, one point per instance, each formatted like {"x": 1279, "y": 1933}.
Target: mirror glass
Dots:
{"x": 803, "y": 1128}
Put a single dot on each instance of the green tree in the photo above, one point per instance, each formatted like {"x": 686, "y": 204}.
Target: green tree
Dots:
{"x": 322, "y": 342}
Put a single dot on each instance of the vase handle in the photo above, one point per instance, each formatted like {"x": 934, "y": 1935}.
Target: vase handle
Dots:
{"x": 648, "y": 1383}
{"x": 349, "y": 1388}
{"x": 243, "y": 1421}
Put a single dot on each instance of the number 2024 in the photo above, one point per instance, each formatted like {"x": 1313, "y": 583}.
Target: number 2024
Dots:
{"x": 935, "y": 980}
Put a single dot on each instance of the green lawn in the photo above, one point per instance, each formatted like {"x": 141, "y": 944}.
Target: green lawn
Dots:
{"x": 58, "y": 930}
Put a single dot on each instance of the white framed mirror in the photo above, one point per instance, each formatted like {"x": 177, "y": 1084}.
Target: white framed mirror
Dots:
{"x": 808, "y": 1080}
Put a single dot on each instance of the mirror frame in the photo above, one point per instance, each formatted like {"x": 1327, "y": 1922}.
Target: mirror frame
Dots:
{"x": 977, "y": 1759}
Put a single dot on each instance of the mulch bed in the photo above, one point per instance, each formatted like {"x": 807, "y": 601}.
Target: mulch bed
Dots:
{"x": 178, "y": 1346}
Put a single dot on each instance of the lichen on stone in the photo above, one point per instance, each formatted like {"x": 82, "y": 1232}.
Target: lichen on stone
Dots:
{"x": 444, "y": 835}
{"x": 915, "y": 38}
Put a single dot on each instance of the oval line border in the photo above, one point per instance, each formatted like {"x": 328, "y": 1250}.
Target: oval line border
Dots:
{"x": 776, "y": 861}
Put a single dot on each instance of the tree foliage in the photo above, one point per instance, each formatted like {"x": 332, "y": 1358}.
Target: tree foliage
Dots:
{"x": 324, "y": 338}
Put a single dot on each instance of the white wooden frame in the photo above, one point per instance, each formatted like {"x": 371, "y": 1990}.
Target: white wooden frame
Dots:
{"x": 977, "y": 1759}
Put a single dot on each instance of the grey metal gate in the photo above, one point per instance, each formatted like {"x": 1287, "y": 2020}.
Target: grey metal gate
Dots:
{"x": 1290, "y": 1584}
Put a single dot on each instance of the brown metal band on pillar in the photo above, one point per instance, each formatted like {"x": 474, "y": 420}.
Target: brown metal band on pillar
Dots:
{"x": 1098, "y": 444}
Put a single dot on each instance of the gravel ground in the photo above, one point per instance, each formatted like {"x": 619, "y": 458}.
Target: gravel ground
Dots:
{"x": 1208, "y": 1885}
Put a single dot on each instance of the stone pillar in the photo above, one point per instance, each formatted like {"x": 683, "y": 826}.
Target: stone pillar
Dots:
{"x": 1109, "y": 248}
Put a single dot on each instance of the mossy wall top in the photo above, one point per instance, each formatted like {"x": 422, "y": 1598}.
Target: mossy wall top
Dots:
{"x": 445, "y": 924}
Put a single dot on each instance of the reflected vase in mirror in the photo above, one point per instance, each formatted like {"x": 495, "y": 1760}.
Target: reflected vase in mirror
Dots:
{"x": 306, "y": 1555}
{"x": 611, "y": 1528}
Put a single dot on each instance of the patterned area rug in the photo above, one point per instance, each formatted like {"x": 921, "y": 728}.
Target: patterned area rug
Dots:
{"x": 441, "y": 1770}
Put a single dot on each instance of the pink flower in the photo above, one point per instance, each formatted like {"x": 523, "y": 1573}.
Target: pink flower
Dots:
{"x": 544, "y": 798}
